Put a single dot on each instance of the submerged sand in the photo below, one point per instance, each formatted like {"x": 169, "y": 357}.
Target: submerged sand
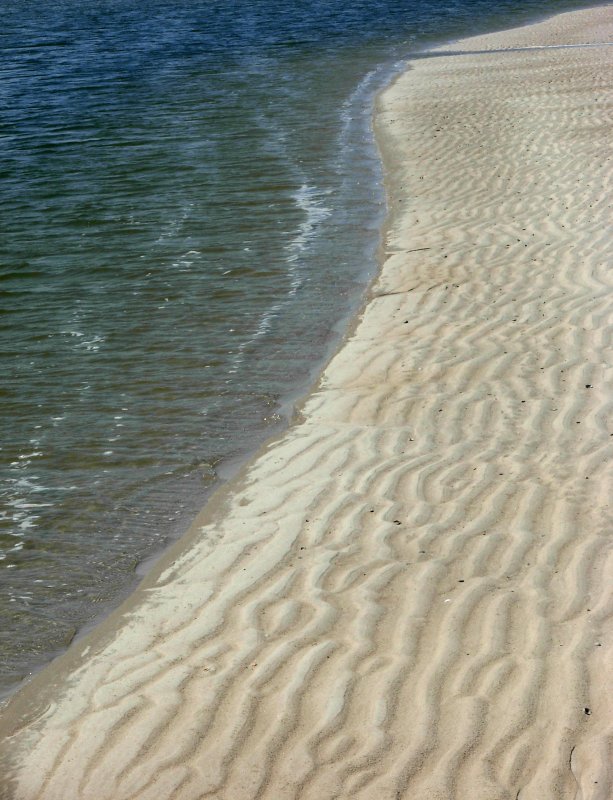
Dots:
{"x": 408, "y": 594}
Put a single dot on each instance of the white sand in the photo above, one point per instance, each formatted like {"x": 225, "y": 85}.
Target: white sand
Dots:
{"x": 408, "y": 594}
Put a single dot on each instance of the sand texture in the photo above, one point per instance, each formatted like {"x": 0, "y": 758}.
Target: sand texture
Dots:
{"x": 592, "y": 26}
{"x": 408, "y": 595}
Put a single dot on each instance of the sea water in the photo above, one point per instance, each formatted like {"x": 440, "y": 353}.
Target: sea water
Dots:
{"x": 190, "y": 207}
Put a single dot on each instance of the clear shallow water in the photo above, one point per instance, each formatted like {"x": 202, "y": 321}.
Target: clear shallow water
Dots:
{"x": 190, "y": 203}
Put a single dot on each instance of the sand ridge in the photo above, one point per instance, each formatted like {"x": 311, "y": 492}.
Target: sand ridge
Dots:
{"x": 408, "y": 594}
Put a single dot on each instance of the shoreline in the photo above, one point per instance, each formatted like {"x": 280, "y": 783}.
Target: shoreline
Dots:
{"x": 362, "y": 433}
{"x": 230, "y": 465}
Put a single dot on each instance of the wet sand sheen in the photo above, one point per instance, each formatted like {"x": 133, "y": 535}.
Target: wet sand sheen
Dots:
{"x": 406, "y": 594}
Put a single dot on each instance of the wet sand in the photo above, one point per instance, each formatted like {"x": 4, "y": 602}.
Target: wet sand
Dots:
{"x": 407, "y": 595}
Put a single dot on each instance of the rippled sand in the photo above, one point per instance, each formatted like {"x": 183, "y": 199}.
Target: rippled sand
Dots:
{"x": 408, "y": 594}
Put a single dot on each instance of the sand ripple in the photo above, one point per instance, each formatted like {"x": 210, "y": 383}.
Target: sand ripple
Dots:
{"x": 407, "y": 595}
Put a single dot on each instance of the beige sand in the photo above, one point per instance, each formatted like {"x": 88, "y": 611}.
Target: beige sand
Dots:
{"x": 406, "y": 595}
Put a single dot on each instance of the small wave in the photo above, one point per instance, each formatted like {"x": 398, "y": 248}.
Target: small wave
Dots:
{"x": 310, "y": 200}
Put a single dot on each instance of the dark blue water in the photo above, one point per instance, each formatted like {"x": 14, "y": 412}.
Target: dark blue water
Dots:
{"x": 190, "y": 202}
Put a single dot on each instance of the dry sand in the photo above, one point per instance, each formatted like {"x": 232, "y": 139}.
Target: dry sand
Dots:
{"x": 406, "y": 595}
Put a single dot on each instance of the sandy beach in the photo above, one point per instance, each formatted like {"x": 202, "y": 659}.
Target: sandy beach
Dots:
{"x": 408, "y": 594}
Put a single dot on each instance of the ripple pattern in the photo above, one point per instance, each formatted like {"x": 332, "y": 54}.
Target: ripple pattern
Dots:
{"x": 406, "y": 595}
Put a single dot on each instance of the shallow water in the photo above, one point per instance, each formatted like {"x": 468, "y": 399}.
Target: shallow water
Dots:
{"x": 190, "y": 202}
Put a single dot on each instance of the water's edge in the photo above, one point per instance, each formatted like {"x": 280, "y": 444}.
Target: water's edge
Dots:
{"x": 31, "y": 695}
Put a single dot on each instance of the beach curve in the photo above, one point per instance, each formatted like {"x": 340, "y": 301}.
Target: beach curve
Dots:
{"x": 407, "y": 594}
